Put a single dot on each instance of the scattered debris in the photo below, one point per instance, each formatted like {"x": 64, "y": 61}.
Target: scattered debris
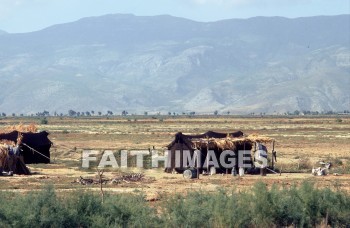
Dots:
{"x": 43, "y": 177}
{"x": 89, "y": 181}
{"x": 133, "y": 177}
{"x": 152, "y": 199}
{"x": 322, "y": 171}
{"x": 127, "y": 178}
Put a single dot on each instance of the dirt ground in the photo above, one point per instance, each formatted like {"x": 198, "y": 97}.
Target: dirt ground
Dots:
{"x": 302, "y": 142}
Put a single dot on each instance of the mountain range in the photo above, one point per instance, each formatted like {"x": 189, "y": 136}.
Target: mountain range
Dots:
{"x": 169, "y": 64}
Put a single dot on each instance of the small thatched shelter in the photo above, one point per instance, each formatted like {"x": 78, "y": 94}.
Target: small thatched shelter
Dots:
{"x": 20, "y": 148}
{"x": 217, "y": 142}
{"x": 35, "y": 147}
{"x": 12, "y": 163}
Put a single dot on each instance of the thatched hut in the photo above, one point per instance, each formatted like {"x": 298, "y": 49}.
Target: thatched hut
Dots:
{"x": 217, "y": 143}
{"x": 34, "y": 147}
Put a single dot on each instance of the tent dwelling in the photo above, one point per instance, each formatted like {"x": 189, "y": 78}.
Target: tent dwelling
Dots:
{"x": 33, "y": 148}
{"x": 230, "y": 150}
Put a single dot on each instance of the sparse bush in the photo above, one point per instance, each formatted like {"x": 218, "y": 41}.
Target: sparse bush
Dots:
{"x": 334, "y": 160}
{"x": 44, "y": 121}
{"x": 338, "y": 166}
{"x": 338, "y": 120}
{"x": 304, "y": 206}
{"x": 346, "y": 167}
{"x": 80, "y": 209}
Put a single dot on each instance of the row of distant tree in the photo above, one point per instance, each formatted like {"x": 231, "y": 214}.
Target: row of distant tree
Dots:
{"x": 88, "y": 113}
{"x": 73, "y": 113}
{"x": 297, "y": 112}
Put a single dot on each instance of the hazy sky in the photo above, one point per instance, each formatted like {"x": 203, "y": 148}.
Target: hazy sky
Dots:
{"x": 31, "y": 15}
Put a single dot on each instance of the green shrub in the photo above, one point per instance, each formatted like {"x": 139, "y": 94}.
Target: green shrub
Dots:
{"x": 346, "y": 168}
{"x": 304, "y": 206}
{"x": 46, "y": 209}
{"x": 338, "y": 120}
{"x": 44, "y": 121}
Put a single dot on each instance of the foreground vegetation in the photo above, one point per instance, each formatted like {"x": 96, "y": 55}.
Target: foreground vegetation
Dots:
{"x": 304, "y": 206}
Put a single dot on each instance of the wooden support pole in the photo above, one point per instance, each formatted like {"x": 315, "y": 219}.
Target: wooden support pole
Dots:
{"x": 207, "y": 156}
{"x": 198, "y": 162}
{"x": 100, "y": 176}
{"x": 272, "y": 155}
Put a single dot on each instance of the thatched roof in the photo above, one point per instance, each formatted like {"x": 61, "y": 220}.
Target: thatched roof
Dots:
{"x": 189, "y": 140}
{"x": 20, "y": 128}
{"x": 229, "y": 141}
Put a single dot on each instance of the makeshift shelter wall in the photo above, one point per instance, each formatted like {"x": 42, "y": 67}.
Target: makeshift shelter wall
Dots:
{"x": 237, "y": 149}
{"x": 16, "y": 165}
{"x": 177, "y": 149}
{"x": 183, "y": 142}
{"x": 38, "y": 141}
{"x": 248, "y": 147}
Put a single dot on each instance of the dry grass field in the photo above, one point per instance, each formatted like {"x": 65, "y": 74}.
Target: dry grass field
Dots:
{"x": 301, "y": 143}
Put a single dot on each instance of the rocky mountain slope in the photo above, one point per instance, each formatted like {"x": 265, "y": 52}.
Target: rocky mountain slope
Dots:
{"x": 164, "y": 63}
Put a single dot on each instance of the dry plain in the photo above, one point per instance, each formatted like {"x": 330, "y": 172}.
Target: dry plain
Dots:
{"x": 301, "y": 142}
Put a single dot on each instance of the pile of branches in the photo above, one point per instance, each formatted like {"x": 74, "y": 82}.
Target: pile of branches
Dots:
{"x": 127, "y": 178}
{"x": 89, "y": 181}
{"x": 132, "y": 177}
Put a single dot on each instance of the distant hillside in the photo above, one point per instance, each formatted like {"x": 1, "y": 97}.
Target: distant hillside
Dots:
{"x": 164, "y": 63}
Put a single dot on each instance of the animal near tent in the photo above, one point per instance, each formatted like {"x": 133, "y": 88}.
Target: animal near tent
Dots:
{"x": 20, "y": 148}
{"x": 214, "y": 144}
